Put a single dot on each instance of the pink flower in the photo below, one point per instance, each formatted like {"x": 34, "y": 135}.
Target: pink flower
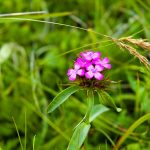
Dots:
{"x": 104, "y": 62}
{"x": 94, "y": 72}
{"x": 91, "y": 55}
{"x": 89, "y": 65}
{"x": 72, "y": 73}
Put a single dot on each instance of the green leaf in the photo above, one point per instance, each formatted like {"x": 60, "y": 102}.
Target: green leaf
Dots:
{"x": 61, "y": 97}
{"x": 107, "y": 100}
{"x": 96, "y": 111}
{"x": 79, "y": 136}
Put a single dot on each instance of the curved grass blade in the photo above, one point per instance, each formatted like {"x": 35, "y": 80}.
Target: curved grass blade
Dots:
{"x": 62, "y": 97}
{"x": 96, "y": 111}
{"x": 132, "y": 128}
{"x": 50, "y": 22}
{"x": 79, "y": 136}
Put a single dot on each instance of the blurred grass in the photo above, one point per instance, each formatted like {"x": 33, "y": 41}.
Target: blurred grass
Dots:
{"x": 34, "y": 58}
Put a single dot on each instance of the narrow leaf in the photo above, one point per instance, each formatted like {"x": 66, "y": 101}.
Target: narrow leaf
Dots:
{"x": 96, "y": 111}
{"x": 107, "y": 100}
{"x": 62, "y": 97}
{"x": 79, "y": 136}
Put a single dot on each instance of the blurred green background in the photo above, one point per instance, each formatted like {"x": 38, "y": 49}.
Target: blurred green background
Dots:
{"x": 34, "y": 62}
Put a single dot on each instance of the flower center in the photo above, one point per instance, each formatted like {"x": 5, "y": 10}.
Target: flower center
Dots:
{"x": 94, "y": 70}
{"x": 90, "y": 54}
{"x": 75, "y": 71}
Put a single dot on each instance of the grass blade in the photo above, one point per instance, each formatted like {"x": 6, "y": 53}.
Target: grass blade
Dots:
{"x": 25, "y": 126}
{"x": 34, "y": 142}
{"x": 23, "y": 13}
{"x": 132, "y": 128}
{"x": 18, "y": 133}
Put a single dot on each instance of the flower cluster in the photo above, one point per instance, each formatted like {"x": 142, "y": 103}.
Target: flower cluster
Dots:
{"x": 89, "y": 65}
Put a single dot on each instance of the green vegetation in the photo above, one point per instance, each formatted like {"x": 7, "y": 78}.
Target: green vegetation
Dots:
{"x": 36, "y": 49}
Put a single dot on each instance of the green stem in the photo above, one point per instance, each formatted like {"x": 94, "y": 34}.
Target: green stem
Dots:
{"x": 90, "y": 100}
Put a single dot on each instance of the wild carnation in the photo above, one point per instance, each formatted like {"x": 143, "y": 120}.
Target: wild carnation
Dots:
{"x": 89, "y": 68}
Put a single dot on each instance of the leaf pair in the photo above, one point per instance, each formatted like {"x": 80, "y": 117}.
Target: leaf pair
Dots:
{"x": 104, "y": 97}
{"x": 83, "y": 128}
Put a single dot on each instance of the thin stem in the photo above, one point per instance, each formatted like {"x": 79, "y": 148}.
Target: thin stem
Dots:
{"x": 18, "y": 133}
{"x": 90, "y": 100}
{"x": 25, "y": 139}
{"x": 56, "y": 23}
{"x": 23, "y": 13}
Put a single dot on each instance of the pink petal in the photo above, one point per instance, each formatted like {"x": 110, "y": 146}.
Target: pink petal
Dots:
{"x": 105, "y": 60}
{"x": 89, "y": 67}
{"x": 98, "y": 76}
{"x": 81, "y": 72}
{"x": 97, "y": 61}
{"x": 87, "y": 64}
{"x": 72, "y": 77}
{"x": 76, "y": 66}
{"x": 81, "y": 62}
{"x": 96, "y": 55}
{"x": 83, "y": 55}
{"x": 108, "y": 66}
{"x": 87, "y": 55}
{"x": 89, "y": 75}
{"x": 88, "y": 58}
{"x": 70, "y": 71}
{"x": 90, "y": 53}
{"x": 99, "y": 68}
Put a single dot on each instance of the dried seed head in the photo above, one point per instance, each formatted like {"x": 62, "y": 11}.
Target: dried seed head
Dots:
{"x": 143, "y": 43}
{"x": 135, "y": 53}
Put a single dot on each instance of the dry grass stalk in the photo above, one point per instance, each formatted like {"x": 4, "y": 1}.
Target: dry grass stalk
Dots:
{"x": 139, "y": 42}
{"x": 135, "y": 53}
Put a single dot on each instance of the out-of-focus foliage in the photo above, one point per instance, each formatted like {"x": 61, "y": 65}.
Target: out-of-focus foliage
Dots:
{"x": 33, "y": 71}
